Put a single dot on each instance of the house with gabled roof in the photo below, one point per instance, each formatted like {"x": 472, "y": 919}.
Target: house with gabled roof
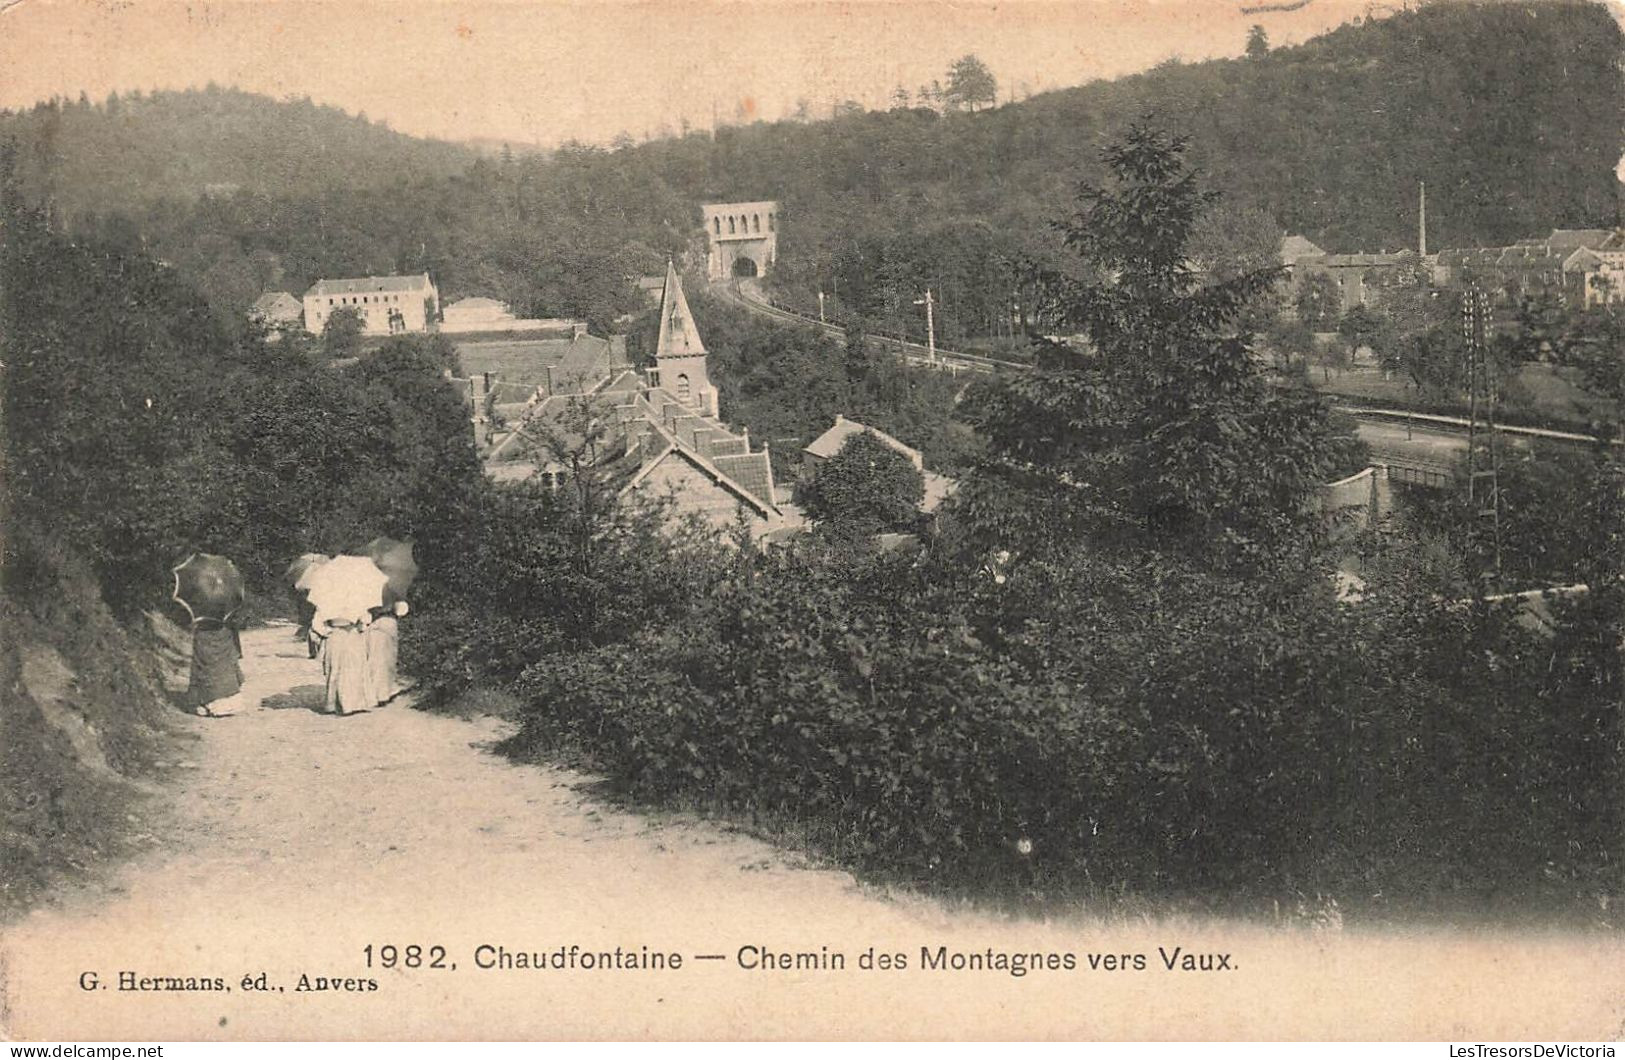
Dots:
{"x": 1585, "y": 265}
{"x": 937, "y": 487}
{"x": 276, "y": 309}
{"x": 1294, "y": 248}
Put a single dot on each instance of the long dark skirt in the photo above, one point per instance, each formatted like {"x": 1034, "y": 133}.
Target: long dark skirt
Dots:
{"x": 216, "y": 672}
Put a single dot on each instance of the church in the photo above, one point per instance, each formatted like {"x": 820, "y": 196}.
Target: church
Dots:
{"x": 656, "y": 432}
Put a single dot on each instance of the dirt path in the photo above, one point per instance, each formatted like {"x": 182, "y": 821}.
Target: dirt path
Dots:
{"x": 299, "y": 839}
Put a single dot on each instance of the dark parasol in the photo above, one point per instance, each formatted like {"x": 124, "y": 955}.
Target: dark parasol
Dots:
{"x": 208, "y": 586}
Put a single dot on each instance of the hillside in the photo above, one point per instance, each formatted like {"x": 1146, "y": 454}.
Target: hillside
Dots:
{"x": 1513, "y": 113}
{"x": 127, "y": 151}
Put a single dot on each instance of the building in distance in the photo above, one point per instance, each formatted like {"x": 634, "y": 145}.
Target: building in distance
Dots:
{"x": 657, "y": 431}
{"x": 826, "y": 445}
{"x": 742, "y": 238}
{"x": 388, "y": 305}
{"x": 277, "y": 309}
{"x": 1585, "y": 266}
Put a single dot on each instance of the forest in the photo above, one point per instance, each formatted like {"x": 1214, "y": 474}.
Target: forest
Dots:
{"x": 1328, "y": 139}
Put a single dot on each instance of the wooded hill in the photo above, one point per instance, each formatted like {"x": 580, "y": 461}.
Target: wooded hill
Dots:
{"x": 1513, "y": 113}
{"x": 128, "y": 151}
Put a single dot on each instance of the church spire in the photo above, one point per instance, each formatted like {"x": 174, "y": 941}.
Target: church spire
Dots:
{"x": 678, "y": 335}
{"x": 679, "y": 353}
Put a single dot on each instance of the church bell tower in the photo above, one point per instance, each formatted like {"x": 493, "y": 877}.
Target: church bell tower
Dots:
{"x": 679, "y": 353}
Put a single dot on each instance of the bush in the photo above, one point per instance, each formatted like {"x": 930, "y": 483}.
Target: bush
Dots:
{"x": 1150, "y": 727}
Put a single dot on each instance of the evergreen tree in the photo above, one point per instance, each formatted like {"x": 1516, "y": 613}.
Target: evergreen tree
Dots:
{"x": 1166, "y": 435}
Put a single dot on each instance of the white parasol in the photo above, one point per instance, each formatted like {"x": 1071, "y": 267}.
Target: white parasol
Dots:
{"x": 345, "y": 588}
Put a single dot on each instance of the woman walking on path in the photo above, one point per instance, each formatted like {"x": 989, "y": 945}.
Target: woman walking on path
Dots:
{"x": 383, "y": 651}
{"x": 345, "y": 591}
{"x": 344, "y": 663}
{"x": 217, "y": 671}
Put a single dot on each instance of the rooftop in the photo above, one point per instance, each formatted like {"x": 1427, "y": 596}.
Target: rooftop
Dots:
{"x": 1294, "y": 247}
{"x": 369, "y": 285}
{"x": 830, "y": 442}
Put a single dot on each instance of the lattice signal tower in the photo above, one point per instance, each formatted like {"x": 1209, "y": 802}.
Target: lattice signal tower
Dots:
{"x": 1483, "y": 439}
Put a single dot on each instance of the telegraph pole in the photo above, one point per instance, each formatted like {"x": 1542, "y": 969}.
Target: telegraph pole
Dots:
{"x": 930, "y": 323}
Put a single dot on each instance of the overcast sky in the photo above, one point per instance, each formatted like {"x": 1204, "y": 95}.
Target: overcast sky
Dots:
{"x": 547, "y": 72}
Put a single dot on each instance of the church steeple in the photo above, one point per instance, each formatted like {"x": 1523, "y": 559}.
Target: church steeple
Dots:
{"x": 678, "y": 335}
{"x": 679, "y": 352}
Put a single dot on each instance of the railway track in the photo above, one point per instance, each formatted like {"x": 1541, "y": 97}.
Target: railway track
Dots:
{"x": 748, "y": 295}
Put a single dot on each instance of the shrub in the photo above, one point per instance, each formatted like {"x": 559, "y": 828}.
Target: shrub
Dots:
{"x": 1148, "y": 726}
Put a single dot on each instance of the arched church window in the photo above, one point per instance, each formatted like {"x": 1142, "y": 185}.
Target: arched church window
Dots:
{"x": 770, "y": 222}
{"x": 718, "y": 222}
{"x": 682, "y": 388}
{"x": 731, "y": 230}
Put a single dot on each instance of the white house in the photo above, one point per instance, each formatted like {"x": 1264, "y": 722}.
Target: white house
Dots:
{"x": 388, "y": 305}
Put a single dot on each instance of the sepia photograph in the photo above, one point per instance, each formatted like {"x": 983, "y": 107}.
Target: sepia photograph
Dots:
{"x": 813, "y": 520}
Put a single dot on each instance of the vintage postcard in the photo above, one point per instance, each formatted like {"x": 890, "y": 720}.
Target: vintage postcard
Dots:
{"x": 813, "y": 520}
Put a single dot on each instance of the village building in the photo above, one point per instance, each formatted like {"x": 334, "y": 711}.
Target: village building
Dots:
{"x": 388, "y": 305}
{"x": 277, "y": 309}
{"x": 653, "y": 433}
{"x": 826, "y": 445}
{"x": 1595, "y": 276}
{"x": 1295, "y": 248}
{"x": 1584, "y": 266}
{"x": 1360, "y": 277}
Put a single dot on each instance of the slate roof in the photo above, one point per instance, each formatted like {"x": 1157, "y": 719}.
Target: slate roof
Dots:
{"x": 369, "y": 285}
{"x": 679, "y": 337}
{"x": 586, "y": 358}
{"x": 749, "y": 476}
{"x": 1569, "y": 239}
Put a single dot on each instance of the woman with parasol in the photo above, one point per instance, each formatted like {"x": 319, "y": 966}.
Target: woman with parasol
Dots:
{"x": 211, "y": 590}
{"x": 395, "y": 559}
{"x": 298, "y": 580}
{"x": 344, "y": 591}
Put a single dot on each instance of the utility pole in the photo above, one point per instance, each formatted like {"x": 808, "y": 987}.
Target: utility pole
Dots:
{"x": 930, "y": 323}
